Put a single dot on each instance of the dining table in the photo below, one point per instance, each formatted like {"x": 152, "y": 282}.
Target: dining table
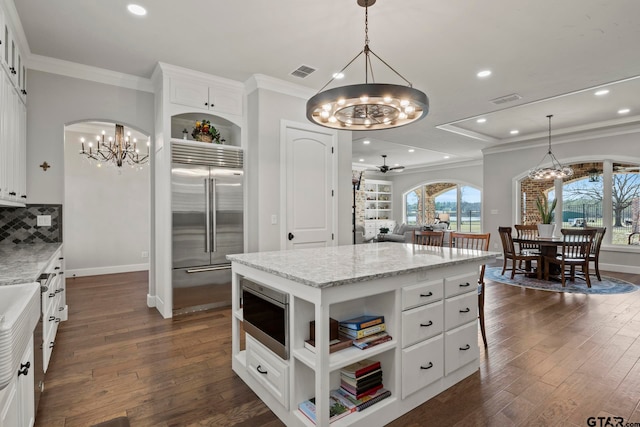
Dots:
{"x": 548, "y": 247}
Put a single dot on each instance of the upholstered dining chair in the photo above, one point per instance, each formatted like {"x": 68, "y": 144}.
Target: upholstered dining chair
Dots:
{"x": 428, "y": 238}
{"x": 575, "y": 250}
{"x": 516, "y": 256}
{"x": 594, "y": 253}
{"x": 476, "y": 241}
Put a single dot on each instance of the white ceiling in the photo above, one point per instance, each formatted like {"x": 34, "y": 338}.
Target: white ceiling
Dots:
{"x": 549, "y": 52}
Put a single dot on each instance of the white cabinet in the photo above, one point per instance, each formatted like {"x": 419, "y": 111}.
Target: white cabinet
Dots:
{"x": 216, "y": 97}
{"x": 54, "y": 308}
{"x": 378, "y": 204}
{"x": 13, "y": 121}
{"x": 17, "y": 406}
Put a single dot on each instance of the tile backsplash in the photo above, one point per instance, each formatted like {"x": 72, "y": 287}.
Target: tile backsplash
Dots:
{"x": 18, "y": 225}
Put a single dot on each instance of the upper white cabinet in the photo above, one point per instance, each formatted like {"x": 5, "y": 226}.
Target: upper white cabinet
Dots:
{"x": 13, "y": 117}
{"x": 217, "y": 97}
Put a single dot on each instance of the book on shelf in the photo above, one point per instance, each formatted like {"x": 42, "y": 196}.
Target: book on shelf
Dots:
{"x": 359, "y": 395}
{"x": 362, "y": 322}
{"x": 362, "y": 388}
{"x": 360, "y": 368}
{"x": 334, "y": 345}
{"x": 364, "y": 380}
{"x": 361, "y": 333}
{"x": 337, "y": 409}
{"x": 372, "y": 340}
{"x": 365, "y": 401}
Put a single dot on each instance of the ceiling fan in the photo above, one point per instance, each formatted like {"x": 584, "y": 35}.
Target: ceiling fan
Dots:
{"x": 384, "y": 168}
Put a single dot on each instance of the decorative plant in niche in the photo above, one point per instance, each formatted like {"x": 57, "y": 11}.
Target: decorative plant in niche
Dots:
{"x": 206, "y": 132}
{"x": 546, "y": 208}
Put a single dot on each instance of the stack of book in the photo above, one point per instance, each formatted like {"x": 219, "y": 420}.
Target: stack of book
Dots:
{"x": 366, "y": 331}
{"x": 337, "y": 409}
{"x": 361, "y": 385}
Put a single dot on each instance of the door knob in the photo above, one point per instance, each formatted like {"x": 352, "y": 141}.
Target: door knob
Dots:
{"x": 290, "y": 236}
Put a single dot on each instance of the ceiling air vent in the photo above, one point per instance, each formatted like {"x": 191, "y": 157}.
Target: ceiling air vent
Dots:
{"x": 302, "y": 71}
{"x": 506, "y": 98}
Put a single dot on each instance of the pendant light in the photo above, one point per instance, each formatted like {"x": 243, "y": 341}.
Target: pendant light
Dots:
{"x": 556, "y": 170}
{"x": 368, "y": 106}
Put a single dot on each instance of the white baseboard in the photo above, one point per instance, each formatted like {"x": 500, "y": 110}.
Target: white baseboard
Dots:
{"x": 96, "y": 271}
{"x": 631, "y": 269}
{"x": 151, "y": 300}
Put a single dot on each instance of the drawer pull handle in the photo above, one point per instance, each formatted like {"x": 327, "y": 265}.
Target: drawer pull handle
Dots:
{"x": 464, "y": 285}
{"x": 57, "y": 320}
{"x": 427, "y": 295}
{"x": 427, "y": 324}
{"x": 465, "y": 348}
{"x": 23, "y": 371}
{"x": 52, "y": 294}
{"x": 429, "y": 366}
{"x": 466, "y": 310}
{"x": 60, "y": 308}
{"x": 51, "y": 344}
{"x": 57, "y": 268}
{"x": 25, "y": 365}
{"x": 260, "y": 370}
{"x": 52, "y": 318}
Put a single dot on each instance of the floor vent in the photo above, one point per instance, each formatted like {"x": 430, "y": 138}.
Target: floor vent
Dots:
{"x": 302, "y": 71}
{"x": 506, "y": 98}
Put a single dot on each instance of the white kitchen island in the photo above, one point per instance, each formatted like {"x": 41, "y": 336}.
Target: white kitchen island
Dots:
{"x": 427, "y": 295}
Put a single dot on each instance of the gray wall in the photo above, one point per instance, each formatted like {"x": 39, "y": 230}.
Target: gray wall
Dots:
{"x": 502, "y": 169}
{"x": 266, "y": 111}
{"x": 55, "y": 101}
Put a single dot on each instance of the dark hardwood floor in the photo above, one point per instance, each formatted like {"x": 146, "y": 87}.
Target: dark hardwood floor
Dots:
{"x": 553, "y": 360}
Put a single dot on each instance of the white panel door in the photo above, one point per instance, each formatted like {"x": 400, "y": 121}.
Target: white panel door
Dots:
{"x": 309, "y": 171}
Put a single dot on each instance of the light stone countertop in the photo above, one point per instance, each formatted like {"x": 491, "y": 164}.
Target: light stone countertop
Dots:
{"x": 23, "y": 263}
{"x": 339, "y": 265}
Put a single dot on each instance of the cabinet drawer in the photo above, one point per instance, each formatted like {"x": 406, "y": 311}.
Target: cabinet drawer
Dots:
{"x": 421, "y": 323}
{"x": 460, "y": 309}
{"x": 461, "y": 346}
{"x": 269, "y": 370}
{"x": 460, "y": 284}
{"x": 422, "y": 364}
{"x": 47, "y": 346}
{"x": 421, "y": 293}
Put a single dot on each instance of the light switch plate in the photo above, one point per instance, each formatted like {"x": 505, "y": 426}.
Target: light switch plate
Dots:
{"x": 43, "y": 221}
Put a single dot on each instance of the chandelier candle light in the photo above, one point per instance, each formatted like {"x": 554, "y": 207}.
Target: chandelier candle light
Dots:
{"x": 556, "y": 170}
{"x": 368, "y": 106}
{"x": 119, "y": 150}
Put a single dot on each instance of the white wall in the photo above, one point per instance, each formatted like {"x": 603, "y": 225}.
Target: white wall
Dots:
{"x": 502, "y": 168}
{"x": 267, "y": 108}
{"x": 55, "y": 101}
{"x": 106, "y": 214}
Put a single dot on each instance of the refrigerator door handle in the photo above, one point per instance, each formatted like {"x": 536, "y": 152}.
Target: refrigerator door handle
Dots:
{"x": 207, "y": 219}
{"x": 204, "y": 269}
{"x": 215, "y": 217}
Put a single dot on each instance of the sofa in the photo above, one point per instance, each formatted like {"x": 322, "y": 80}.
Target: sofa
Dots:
{"x": 403, "y": 233}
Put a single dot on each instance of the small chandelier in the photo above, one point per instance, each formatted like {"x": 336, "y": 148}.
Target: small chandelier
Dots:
{"x": 556, "y": 170}
{"x": 368, "y": 106}
{"x": 119, "y": 150}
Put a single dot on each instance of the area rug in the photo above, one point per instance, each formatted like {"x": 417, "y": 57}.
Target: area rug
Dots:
{"x": 608, "y": 285}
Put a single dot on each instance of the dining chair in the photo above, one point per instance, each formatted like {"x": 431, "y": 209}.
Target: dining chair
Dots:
{"x": 575, "y": 250}
{"x": 517, "y": 255}
{"x": 594, "y": 253}
{"x": 527, "y": 231}
{"x": 428, "y": 238}
{"x": 475, "y": 241}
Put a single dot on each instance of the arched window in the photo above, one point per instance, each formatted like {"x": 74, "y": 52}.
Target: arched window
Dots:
{"x": 459, "y": 205}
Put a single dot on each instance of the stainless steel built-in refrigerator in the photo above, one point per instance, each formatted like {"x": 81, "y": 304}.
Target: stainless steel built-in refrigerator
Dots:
{"x": 207, "y": 218}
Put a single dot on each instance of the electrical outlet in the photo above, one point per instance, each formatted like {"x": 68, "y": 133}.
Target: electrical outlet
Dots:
{"x": 145, "y": 254}
{"x": 274, "y": 219}
{"x": 43, "y": 221}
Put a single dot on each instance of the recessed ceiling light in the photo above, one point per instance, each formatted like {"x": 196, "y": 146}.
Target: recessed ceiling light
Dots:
{"x": 484, "y": 73}
{"x": 366, "y": 141}
{"x": 602, "y": 92}
{"x": 362, "y": 160}
{"x": 137, "y": 9}
{"x": 483, "y": 120}
{"x": 411, "y": 150}
{"x": 338, "y": 76}
{"x": 396, "y": 164}
{"x": 447, "y": 157}
{"x": 623, "y": 111}
{"x": 514, "y": 132}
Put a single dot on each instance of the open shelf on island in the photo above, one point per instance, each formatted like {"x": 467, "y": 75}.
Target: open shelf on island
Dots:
{"x": 345, "y": 357}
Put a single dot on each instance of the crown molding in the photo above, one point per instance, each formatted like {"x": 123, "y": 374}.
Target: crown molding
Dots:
{"x": 178, "y": 71}
{"x": 87, "y": 72}
{"x": 261, "y": 81}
